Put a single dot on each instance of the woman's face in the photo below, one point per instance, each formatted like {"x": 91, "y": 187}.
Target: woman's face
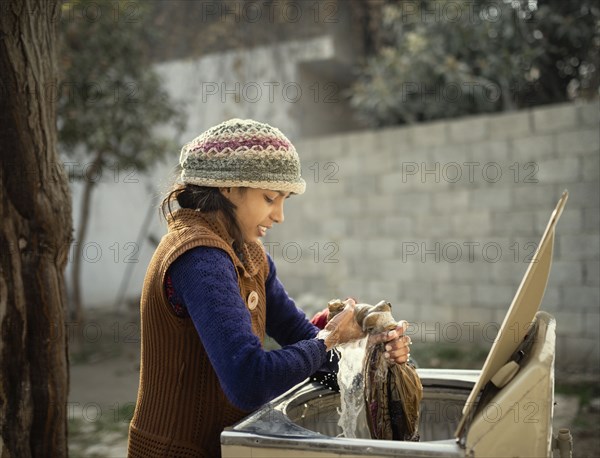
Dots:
{"x": 257, "y": 210}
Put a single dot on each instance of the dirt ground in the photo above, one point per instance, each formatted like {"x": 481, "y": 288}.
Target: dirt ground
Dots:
{"x": 104, "y": 380}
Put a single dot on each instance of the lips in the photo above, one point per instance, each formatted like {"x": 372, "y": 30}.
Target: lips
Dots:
{"x": 262, "y": 230}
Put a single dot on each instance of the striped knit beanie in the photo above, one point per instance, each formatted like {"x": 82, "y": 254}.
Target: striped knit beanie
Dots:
{"x": 242, "y": 153}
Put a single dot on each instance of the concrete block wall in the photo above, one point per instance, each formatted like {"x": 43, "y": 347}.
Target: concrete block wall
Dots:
{"x": 442, "y": 218}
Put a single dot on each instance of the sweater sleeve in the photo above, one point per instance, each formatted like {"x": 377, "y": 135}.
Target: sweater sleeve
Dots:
{"x": 286, "y": 323}
{"x": 206, "y": 281}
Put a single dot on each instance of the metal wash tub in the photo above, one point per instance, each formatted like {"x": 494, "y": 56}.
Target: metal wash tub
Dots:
{"x": 303, "y": 423}
{"x": 505, "y": 409}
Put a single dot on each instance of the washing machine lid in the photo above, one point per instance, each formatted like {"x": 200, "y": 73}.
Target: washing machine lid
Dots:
{"x": 520, "y": 315}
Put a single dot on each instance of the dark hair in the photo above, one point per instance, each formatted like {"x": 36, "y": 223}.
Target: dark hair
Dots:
{"x": 206, "y": 199}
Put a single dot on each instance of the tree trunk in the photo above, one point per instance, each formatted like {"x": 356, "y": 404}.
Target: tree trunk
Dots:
{"x": 35, "y": 234}
{"x": 88, "y": 187}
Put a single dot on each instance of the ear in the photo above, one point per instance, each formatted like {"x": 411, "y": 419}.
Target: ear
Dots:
{"x": 225, "y": 191}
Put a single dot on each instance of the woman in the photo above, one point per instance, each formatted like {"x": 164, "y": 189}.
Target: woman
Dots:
{"x": 211, "y": 294}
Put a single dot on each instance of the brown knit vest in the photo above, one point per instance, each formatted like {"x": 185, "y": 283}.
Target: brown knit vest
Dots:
{"x": 181, "y": 408}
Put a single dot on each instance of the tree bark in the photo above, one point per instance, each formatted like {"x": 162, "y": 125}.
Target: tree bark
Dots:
{"x": 35, "y": 234}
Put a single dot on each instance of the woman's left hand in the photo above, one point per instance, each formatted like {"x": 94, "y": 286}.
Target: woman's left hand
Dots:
{"x": 397, "y": 347}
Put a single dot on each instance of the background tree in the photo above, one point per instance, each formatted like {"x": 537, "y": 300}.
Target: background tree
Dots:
{"x": 441, "y": 58}
{"x": 112, "y": 103}
{"x": 35, "y": 234}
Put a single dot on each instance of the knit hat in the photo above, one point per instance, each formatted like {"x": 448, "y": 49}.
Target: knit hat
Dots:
{"x": 242, "y": 152}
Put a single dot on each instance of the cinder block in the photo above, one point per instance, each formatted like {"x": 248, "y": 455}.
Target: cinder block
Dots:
{"x": 345, "y": 169}
{"x": 592, "y": 272}
{"x": 563, "y": 170}
{"x": 396, "y": 140}
{"x": 452, "y": 294}
{"x": 551, "y": 301}
{"x": 566, "y": 273}
{"x": 493, "y": 198}
{"x": 353, "y": 287}
{"x": 429, "y": 225}
{"x": 513, "y": 222}
{"x": 423, "y": 175}
{"x": 507, "y": 271}
{"x": 535, "y": 195}
{"x": 430, "y": 134}
{"x": 533, "y": 148}
{"x": 569, "y": 324}
{"x": 584, "y": 194}
{"x": 335, "y": 227}
{"x": 496, "y": 151}
{"x": 492, "y": 296}
{"x": 378, "y": 290}
{"x": 448, "y": 155}
{"x": 470, "y": 129}
{"x": 352, "y": 248}
{"x": 451, "y": 201}
{"x": 577, "y": 247}
{"x": 327, "y": 206}
{"x": 395, "y": 182}
{"x": 591, "y": 167}
{"x": 431, "y": 265}
{"x": 581, "y": 298}
{"x": 591, "y": 324}
{"x": 580, "y": 141}
{"x": 363, "y": 143}
{"x": 510, "y": 125}
{"x": 412, "y": 203}
{"x": 554, "y": 118}
{"x": 381, "y": 248}
{"x": 571, "y": 221}
{"x": 310, "y": 148}
{"x": 414, "y": 155}
{"x": 320, "y": 190}
{"x": 379, "y": 206}
{"x": 397, "y": 227}
{"x": 436, "y": 313}
{"x": 578, "y": 355}
{"x": 361, "y": 186}
{"x": 375, "y": 162}
{"x": 351, "y": 206}
{"x": 419, "y": 292}
{"x": 404, "y": 310}
{"x": 331, "y": 147}
{"x": 360, "y": 228}
{"x": 591, "y": 219}
{"x": 474, "y": 223}
{"x": 589, "y": 113}
{"x": 478, "y": 324}
{"x": 364, "y": 268}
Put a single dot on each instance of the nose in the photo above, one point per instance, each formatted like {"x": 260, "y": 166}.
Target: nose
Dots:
{"x": 277, "y": 213}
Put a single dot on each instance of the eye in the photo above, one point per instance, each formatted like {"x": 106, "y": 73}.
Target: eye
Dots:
{"x": 269, "y": 199}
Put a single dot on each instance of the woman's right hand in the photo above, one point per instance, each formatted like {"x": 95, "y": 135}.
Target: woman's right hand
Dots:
{"x": 342, "y": 327}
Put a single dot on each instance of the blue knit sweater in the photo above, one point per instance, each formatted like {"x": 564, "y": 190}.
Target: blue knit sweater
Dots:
{"x": 204, "y": 284}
